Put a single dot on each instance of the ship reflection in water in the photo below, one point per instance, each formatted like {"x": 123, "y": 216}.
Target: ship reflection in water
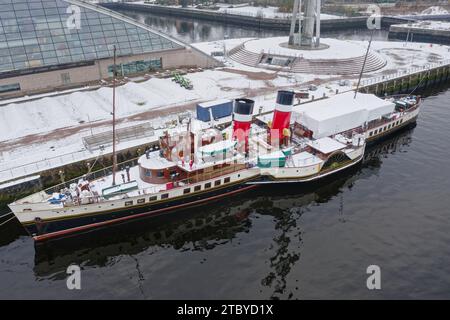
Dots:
{"x": 213, "y": 233}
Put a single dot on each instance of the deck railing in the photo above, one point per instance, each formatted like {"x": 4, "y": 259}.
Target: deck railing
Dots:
{"x": 177, "y": 185}
{"x": 90, "y": 176}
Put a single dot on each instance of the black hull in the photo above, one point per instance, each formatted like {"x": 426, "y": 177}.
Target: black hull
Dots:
{"x": 62, "y": 227}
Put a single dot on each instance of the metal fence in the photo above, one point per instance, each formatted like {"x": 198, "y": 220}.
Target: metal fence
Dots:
{"x": 91, "y": 176}
{"x": 407, "y": 72}
{"x": 38, "y": 166}
{"x": 105, "y": 139}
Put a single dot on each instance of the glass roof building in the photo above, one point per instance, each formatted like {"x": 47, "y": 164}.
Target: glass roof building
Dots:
{"x": 37, "y": 33}
{"x": 44, "y": 35}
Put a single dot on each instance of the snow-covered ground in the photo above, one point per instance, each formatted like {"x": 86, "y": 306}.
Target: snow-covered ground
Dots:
{"x": 430, "y": 25}
{"x": 267, "y": 12}
{"x": 337, "y": 49}
{"x": 434, "y": 10}
{"x": 248, "y": 10}
{"x": 48, "y": 131}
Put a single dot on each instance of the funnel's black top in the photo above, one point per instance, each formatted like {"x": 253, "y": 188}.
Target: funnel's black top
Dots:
{"x": 285, "y": 97}
{"x": 243, "y": 106}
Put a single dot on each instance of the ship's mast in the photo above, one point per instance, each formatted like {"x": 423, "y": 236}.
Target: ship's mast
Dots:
{"x": 114, "y": 167}
{"x": 364, "y": 64}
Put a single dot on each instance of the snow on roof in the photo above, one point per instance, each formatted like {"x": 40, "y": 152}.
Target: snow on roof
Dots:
{"x": 345, "y": 102}
{"x": 305, "y": 158}
{"x": 213, "y": 103}
{"x": 273, "y": 155}
{"x": 217, "y": 147}
{"x": 155, "y": 162}
{"x": 342, "y": 112}
{"x": 326, "y": 145}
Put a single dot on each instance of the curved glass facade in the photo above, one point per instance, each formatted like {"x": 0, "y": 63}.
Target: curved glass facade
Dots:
{"x": 41, "y": 33}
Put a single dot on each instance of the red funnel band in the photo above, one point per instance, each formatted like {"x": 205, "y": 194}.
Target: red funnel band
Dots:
{"x": 241, "y": 130}
{"x": 281, "y": 120}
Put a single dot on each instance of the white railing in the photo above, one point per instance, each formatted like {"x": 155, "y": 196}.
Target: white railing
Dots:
{"x": 409, "y": 72}
{"x": 45, "y": 164}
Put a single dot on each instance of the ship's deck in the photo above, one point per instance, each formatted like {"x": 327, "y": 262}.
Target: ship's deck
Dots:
{"x": 143, "y": 187}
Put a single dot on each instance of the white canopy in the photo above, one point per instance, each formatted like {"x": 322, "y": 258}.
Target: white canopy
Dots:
{"x": 326, "y": 145}
{"x": 342, "y": 112}
{"x": 218, "y": 147}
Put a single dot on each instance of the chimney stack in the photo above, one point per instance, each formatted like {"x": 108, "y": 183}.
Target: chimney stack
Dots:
{"x": 242, "y": 119}
{"x": 282, "y": 113}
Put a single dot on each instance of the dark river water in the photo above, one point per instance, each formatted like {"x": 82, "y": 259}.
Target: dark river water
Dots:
{"x": 311, "y": 242}
{"x": 189, "y": 30}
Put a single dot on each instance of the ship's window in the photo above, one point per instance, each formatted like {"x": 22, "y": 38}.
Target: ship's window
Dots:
{"x": 148, "y": 173}
{"x": 187, "y": 190}
{"x": 27, "y": 209}
{"x": 384, "y": 129}
{"x": 160, "y": 174}
{"x": 140, "y": 200}
{"x": 371, "y": 133}
{"x": 396, "y": 123}
{"x": 152, "y": 198}
{"x": 128, "y": 203}
{"x": 226, "y": 180}
{"x": 239, "y": 175}
{"x": 401, "y": 121}
{"x": 217, "y": 183}
{"x": 375, "y": 132}
{"x": 197, "y": 188}
{"x": 164, "y": 196}
{"x": 207, "y": 185}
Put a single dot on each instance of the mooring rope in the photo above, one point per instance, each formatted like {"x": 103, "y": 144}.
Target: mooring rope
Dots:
{"x": 416, "y": 86}
{"x": 5, "y": 222}
{"x": 5, "y": 215}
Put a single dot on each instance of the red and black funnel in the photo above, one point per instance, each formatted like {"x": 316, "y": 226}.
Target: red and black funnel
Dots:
{"x": 242, "y": 119}
{"x": 282, "y": 113}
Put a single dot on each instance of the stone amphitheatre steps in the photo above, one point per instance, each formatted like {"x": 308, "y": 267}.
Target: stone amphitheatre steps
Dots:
{"x": 245, "y": 57}
{"x": 339, "y": 66}
{"x": 332, "y": 66}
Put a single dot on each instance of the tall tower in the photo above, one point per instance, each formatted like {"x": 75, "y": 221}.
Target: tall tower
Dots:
{"x": 311, "y": 17}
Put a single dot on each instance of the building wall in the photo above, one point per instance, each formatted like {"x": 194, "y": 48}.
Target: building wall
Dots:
{"x": 48, "y": 81}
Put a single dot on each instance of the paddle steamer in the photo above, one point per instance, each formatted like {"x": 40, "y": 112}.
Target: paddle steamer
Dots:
{"x": 197, "y": 166}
